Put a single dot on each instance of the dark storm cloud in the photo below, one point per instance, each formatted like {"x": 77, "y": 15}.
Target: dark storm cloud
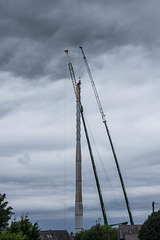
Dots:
{"x": 34, "y": 34}
{"x": 27, "y": 32}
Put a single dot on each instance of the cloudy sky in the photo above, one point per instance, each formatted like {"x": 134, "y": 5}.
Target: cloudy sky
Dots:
{"x": 121, "y": 39}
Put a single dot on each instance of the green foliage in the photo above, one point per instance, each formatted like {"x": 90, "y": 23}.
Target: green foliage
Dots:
{"x": 19, "y": 230}
{"x": 12, "y": 236}
{"x": 98, "y": 232}
{"x": 5, "y": 212}
{"x": 31, "y": 232}
{"x": 151, "y": 227}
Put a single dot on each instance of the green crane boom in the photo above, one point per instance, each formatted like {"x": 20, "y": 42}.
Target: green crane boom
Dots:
{"x": 109, "y": 136}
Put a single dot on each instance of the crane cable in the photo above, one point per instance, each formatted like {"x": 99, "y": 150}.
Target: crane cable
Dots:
{"x": 65, "y": 147}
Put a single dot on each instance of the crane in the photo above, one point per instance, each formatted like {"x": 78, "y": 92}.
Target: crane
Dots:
{"x": 109, "y": 136}
{"x": 78, "y": 196}
{"x": 74, "y": 83}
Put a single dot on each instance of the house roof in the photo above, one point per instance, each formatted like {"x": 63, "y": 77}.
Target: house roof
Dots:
{"x": 54, "y": 235}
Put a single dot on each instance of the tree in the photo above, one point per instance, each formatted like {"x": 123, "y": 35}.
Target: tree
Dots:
{"x": 151, "y": 227}
{"x": 98, "y": 232}
{"x": 31, "y": 231}
{"x": 19, "y": 230}
{"x": 12, "y": 236}
{"x": 5, "y": 212}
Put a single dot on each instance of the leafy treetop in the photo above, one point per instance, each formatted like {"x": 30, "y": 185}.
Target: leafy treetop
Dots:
{"x": 12, "y": 236}
{"x": 151, "y": 227}
{"x": 5, "y": 212}
{"x": 98, "y": 232}
{"x": 31, "y": 231}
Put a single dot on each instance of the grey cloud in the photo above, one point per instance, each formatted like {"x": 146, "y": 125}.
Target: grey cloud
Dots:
{"x": 24, "y": 160}
{"x": 36, "y": 33}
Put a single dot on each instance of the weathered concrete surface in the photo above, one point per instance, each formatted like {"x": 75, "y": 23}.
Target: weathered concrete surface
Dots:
{"x": 128, "y": 232}
{"x": 131, "y": 237}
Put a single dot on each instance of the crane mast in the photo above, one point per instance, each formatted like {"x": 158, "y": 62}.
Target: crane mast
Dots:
{"x": 74, "y": 82}
{"x": 109, "y": 136}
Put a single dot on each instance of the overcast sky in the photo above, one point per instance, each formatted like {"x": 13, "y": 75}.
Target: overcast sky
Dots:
{"x": 121, "y": 39}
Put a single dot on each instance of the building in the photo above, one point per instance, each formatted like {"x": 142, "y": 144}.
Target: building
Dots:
{"x": 128, "y": 232}
{"x": 55, "y": 235}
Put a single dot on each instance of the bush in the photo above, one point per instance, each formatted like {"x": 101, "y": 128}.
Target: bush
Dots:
{"x": 98, "y": 232}
{"x": 150, "y": 230}
{"x": 12, "y": 236}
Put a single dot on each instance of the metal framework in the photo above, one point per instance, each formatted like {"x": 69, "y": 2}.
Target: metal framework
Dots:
{"x": 74, "y": 82}
{"x": 109, "y": 136}
{"x": 78, "y": 199}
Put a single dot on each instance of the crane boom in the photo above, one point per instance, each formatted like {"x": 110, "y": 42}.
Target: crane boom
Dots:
{"x": 73, "y": 78}
{"x": 74, "y": 82}
{"x": 109, "y": 136}
{"x": 93, "y": 86}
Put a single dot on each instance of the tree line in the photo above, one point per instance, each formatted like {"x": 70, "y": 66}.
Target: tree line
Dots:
{"x": 18, "y": 230}
{"x": 25, "y": 230}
